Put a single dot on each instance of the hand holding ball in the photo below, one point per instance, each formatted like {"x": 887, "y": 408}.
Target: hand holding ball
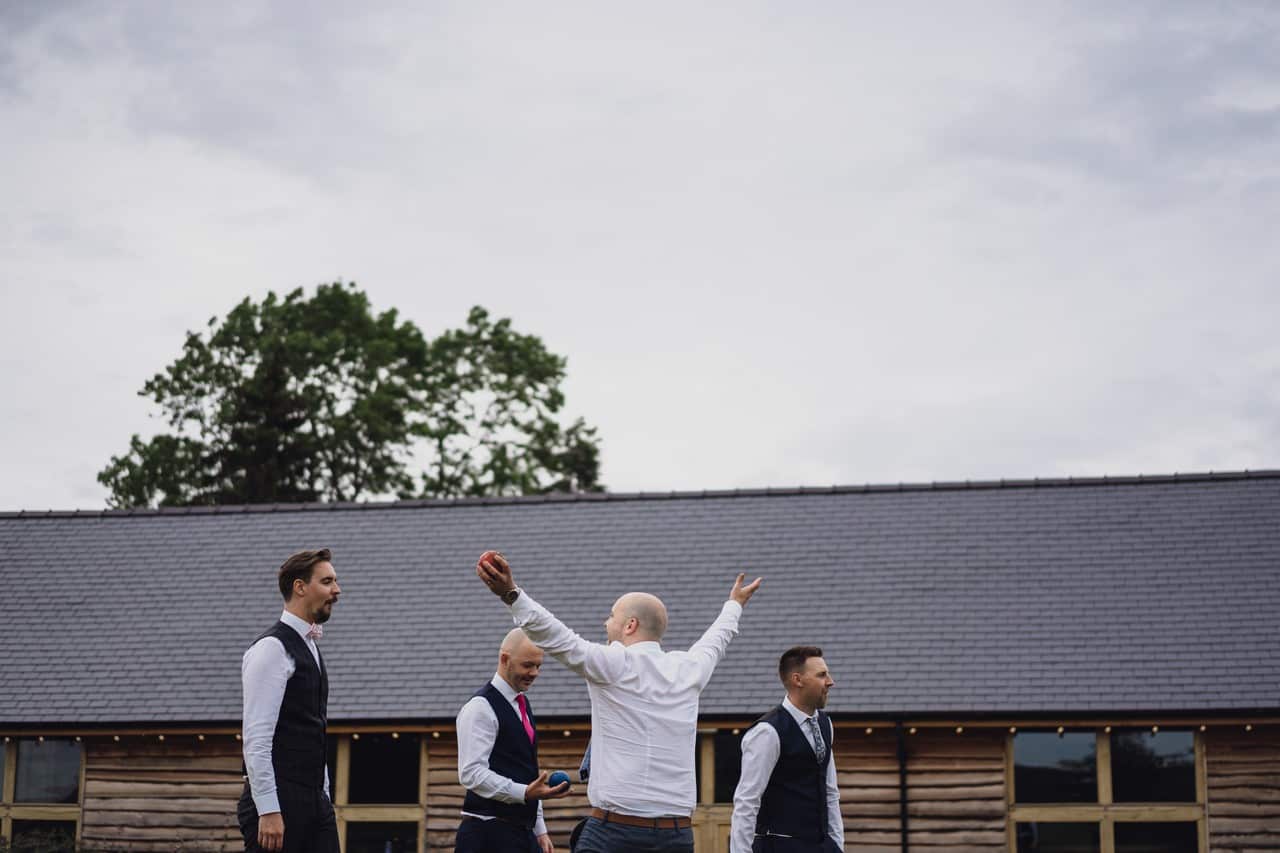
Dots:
{"x": 488, "y": 558}
{"x": 558, "y": 778}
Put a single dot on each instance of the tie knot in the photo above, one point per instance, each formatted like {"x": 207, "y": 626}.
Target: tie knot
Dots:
{"x": 315, "y": 632}
{"x": 520, "y": 700}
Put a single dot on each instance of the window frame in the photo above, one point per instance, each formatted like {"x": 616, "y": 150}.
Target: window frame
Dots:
{"x": 1106, "y": 812}
{"x": 347, "y": 812}
{"x": 11, "y": 810}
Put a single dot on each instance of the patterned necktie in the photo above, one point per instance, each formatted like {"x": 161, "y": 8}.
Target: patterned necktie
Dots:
{"x": 819, "y": 745}
{"x": 524, "y": 715}
{"x": 315, "y": 632}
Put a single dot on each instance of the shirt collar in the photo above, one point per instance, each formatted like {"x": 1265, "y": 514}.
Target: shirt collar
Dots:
{"x": 796, "y": 714}
{"x": 505, "y": 689}
{"x": 648, "y": 647}
{"x": 300, "y": 625}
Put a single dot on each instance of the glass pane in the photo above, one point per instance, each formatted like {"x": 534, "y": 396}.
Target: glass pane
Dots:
{"x": 1156, "y": 838}
{"x": 48, "y": 772}
{"x": 1153, "y": 768}
{"x": 43, "y": 836}
{"x": 331, "y": 762}
{"x": 381, "y": 837}
{"x": 1058, "y": 838}
{"x": 728, "y": 763}
{"x": 384, "y": 769}
{"x": 1053, "y": 768}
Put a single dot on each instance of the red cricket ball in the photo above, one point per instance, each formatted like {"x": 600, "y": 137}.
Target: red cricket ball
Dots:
{"x": 487, "y": 557}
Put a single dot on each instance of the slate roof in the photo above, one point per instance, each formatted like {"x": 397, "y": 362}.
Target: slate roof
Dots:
{"x": 1064, "y": 596}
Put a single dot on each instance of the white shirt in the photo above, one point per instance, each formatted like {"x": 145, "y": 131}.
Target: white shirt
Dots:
{"x": 760, "y": 750}
{"x": 644, "y": 709}
{"x": 477, "y": 727}
{"x": 265, "y": 669}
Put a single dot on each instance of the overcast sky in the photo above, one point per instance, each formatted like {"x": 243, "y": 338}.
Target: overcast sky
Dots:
{"x": 780, "y": 244}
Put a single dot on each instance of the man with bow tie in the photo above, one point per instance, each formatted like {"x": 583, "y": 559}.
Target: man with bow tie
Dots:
{"x": 788, "y": 799}
{"x": 285, "y": 805}
{"x": 498, "y": 759}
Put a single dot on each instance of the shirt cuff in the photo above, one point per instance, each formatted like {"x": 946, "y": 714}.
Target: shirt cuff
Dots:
{"x": 733, "y": 607}
{"x": 267, "y": 803}
{"x": 516, "y": 791}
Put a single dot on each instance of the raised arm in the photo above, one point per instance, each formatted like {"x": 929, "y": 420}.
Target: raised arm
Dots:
{"x": 714, "y": 641}
{"x": 592, "y": 661}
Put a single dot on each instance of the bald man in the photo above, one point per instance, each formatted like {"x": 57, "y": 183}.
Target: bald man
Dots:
{"x": 644, "y": 710}
{"x": 498, "y": 759}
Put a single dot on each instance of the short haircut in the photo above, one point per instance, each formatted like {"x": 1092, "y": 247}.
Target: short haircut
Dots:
{"x": 793, "y": 660}
{"x": 299, "y": 567}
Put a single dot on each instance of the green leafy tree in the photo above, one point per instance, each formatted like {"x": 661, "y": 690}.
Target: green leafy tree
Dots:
{"x": 307, "y": 399}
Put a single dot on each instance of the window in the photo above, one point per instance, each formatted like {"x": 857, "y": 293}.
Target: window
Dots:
{"x": 381, "y": 837}
{"x": 384, "y": 769}
{"x": 48, "y": 771}
{"x": 728, "y": 747}
{"x": 40, "y": 793}
{"x": 1056, "y": 768}
{"x": 1036, "y": 837}
{"x": 1128, "y": 790}
{"x": 1153, "y": 767}
{"x": 380, "y": 787}
{"x": 43, "y": 836}
{"x": 1156, "y": 838}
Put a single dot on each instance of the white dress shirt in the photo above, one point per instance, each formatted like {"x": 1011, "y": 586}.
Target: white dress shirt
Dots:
{"x": 477, "y": 728}
{"x": 265, "y": 669}
{"x": 644, "y": 709}
{"x": 760, "y": 750}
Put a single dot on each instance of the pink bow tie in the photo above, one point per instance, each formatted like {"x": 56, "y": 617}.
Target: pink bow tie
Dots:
{"x": 315, "y": 632}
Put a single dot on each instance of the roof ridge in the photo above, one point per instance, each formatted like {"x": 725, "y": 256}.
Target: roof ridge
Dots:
{"x": 589, "y": 497}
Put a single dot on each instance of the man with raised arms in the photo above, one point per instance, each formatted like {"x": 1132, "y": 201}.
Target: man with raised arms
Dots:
{"x": 644, "y": 710}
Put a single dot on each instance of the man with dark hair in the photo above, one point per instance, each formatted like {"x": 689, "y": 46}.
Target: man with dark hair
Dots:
{"x": 788, "y": 799}
{"x": 285, "y": 805}
{"x": 498, "y": 759}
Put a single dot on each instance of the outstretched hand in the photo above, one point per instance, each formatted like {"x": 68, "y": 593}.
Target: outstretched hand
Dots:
{"x": 538, "y": 789}
{"x": 742, "y": 594}
{"x": 495, "y": 572}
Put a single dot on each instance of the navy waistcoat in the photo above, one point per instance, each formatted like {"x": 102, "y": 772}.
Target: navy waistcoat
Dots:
{"x": 795, "y": 801}
{"x": 298, "y": 749}
{"x": 513, "y": 756}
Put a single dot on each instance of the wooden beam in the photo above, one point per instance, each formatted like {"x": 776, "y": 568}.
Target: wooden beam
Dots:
{"x": 707, "y": 760}
{"x": 423, "y": 788}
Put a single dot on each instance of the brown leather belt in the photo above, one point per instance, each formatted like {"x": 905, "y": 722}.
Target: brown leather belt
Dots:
{"x": 647, "y": 822}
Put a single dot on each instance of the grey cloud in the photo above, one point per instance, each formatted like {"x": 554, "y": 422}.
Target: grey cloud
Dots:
{"x": 1137, "y": 107}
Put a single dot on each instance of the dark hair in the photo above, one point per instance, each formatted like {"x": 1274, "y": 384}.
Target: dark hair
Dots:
{"x": 793, "y": 660}
{"x": 299, "y": 567}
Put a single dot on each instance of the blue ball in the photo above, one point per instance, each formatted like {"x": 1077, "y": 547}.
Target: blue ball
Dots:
{"x": 557, "y": 779}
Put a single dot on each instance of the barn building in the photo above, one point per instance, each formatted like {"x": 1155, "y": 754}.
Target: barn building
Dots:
{"x": 1042, "y": 665}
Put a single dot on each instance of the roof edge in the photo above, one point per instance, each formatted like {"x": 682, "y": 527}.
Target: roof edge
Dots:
{"x": 605, "y": 497}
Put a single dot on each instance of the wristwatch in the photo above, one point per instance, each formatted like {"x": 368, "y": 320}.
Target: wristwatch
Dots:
{"x": 510, "y": 597}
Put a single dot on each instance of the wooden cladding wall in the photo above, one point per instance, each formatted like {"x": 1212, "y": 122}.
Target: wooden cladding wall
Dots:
{"x": 175, "y": 796}
{"x": 444, "y": 794}
{"x": 955, "y": 791}
{"x": 1243, "y": 785}
{"x": 867, "y": 770}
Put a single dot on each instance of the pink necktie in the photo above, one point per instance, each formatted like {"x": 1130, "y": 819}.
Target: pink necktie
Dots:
{"x": 524, "y": 716}
{"x": 315, "y": 633}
